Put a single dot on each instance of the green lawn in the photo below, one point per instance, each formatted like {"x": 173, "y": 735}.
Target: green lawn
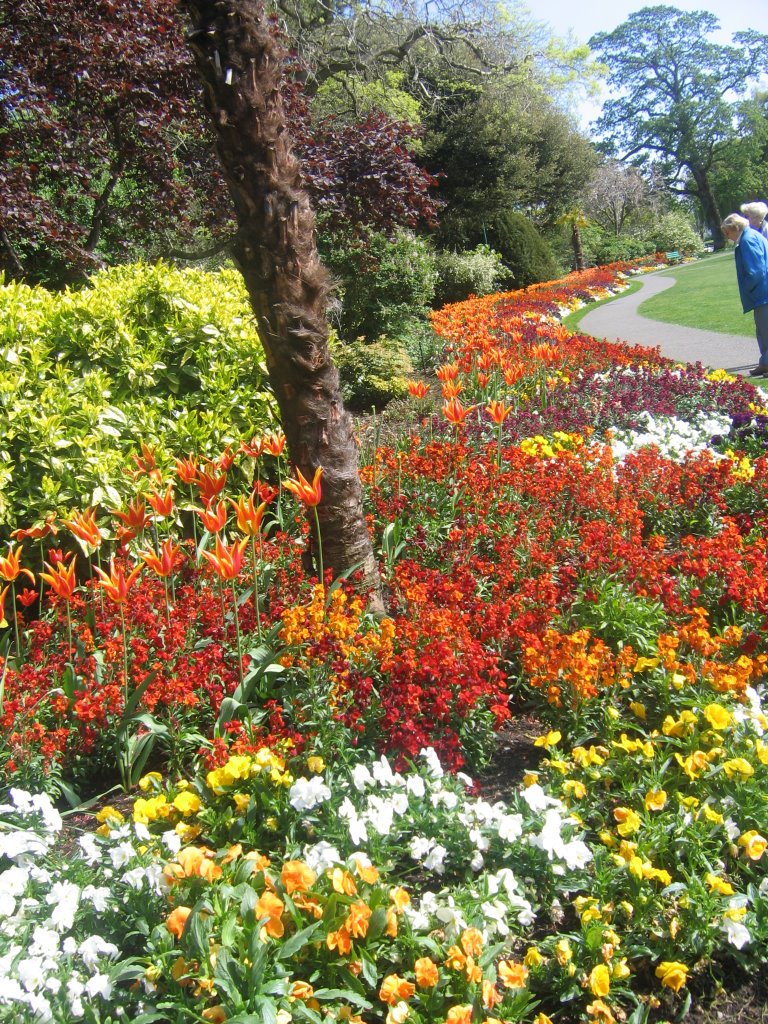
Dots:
{"x": 705, "y": 296}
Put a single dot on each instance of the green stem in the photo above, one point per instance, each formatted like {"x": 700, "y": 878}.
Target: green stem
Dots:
{"x": 125, "y": 656}
{"x": 498, "y": 452}
{"x": 42, "y": 581}
{"x": 167, "y": 603}
{"x": 15, "y": 622}
{"x": 69, "y": 630}
{"x": 237, "y": 634}
{"x": 256, "y": 597}
{"x": 194, "y": 517}
{"x": 319, "y": 548}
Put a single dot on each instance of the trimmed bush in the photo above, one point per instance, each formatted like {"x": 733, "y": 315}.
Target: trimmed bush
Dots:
{"x": 372, "y": 373}
{"x": 675, "y": 233}
{"x": 479, "y": 271}
{"x": 524, "y": 251}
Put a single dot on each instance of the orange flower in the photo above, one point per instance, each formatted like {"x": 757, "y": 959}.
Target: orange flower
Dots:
{"x": 176, "y": 920}
{"x": 459, "y": 1015}
{"x": 3, "y": 595}
{"x": 357, "y": 920}
{"x": 513, "y": 373}
{"x": 163, "y": 565}
{"x": 248, "y": 516}
{"x": 394, "y": 988}
{"x": 214, "y": 520}
{"x": 116, "y": 585}
{"x": 455, "y": 412}
{"x": 210, "y": 485}
{"x": 37, "y": 532}
{"x": 162, "y": 504}
{"x": 452, "y": 389}
{"x": 146, "y": 463}
{"x": 297, "y": 876}
{"x": 417, "y": 388}
{"x": 301, "y": 990}
{"x": 227, "y": 562}
{"x": 83, "y": 526}
{"x": 448, "y": 371}
{"x": 472, "y": 942}
{"x": 186, "y": 470}
{"x": 427, "y": 975}
{"x": 498, "y": 411}
{"x": 273, "y": 443}
{"x": 343, "y": 882}
{"x": 271, "y": 907}
{"x": 400, "y": 897}
{"x": 366, "y": 870}
{"x": 10, "y": 566}
{"x": 512, "y": 975}
{"x": 214, "y": 1014}
{"x": 135, "y": 518}
{"x": 392, "y": 924}
{"x": 309, "y": 493}
{"x": 195, "y": 861}
{"x": 340, "y": 941}
{"x": 61, "y": 579}
{"x": 253, "y": 448}
{"x": 491, "y": 995}
{"x": 455, "y": 960}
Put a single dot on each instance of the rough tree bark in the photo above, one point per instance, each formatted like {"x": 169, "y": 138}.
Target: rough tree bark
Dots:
{"x": 241, "y": 65}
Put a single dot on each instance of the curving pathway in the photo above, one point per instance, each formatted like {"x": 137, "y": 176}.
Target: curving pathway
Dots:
{"x": 619, "y": 321}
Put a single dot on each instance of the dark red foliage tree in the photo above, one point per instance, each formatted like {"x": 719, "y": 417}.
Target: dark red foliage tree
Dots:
{"x": 105, "y": 153}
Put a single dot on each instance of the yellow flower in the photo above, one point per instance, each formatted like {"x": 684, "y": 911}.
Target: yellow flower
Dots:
{"x": 718, "y": 716}
{"x": 533, "y": 957}
{"x": 629, "y": 821}
{"x": 512, "y": 974}
{"x": 600, "y": 980}
{"x": 316, "y": 764}
{"x": 672, "y": 974}
{"x": 655, "y": 800}
{"x": 150, "y": 781}
{"x": 738, "y": 766}
{"x": 563, "y": 952}
{"x": 643, "y": 663}
{"x": 109, "y": 816}
{"x": 620, "y": 970}
{"x": 574, "y": 788}
{"x": 637, "y": 709}
{"x": 754, "y": 844}
{"x": 187, "y": 803}
{"x": 712, "y": 815}
{"x": 241, "y": 801}
{"x": 551, "y": 739}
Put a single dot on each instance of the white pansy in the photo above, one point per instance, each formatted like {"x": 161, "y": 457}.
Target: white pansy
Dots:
{"x": 122, "y": 854}
{"x": 736, "y": 932}
{"x": 479, "y": 840}
{"x": 31, "y": 973}
{"x": 7, "y": 904}
{"x": 383, "y": 774}
{"x": 497, "y": 912}
{"x": 358, "y": 831}
{"x": 576, "y": 854}
{"x": 445, "y": 797}
{"x": 20, "y": 846}
{"x": 64, "y": 897}
{"x": 45, "y": 942}
{"x": 99, "y": 985}
{"x": 465, "y": 780}
{"x": 380, "y": 814}
{"x": 477, "y": 861}
{"x": 134, "y": 877}
{"x": 400, "y": 803}
{"x": 537, "y": 799}
{"x": 510, "y": 827}
{"x": 97, "y": 896}
{"x": 91, "y": 850}
{"x": 435, "y": 859}
{"x": 433, "y": 762}
{"x": 415, "y": 786}
{"x": 75, "y": 991}
{"x": 361, "y": 777}
{"x": 305, "y": 794}
{"x": 420, "y": 846}
{"x": 321, "y": 856}
{"x": 93, "y": 947}
{"x": 172, "y": 840}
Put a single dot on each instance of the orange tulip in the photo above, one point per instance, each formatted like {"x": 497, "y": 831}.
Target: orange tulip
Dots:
{"x": 116, "y": 584}
{"x": 417, "y": 389}
{"x": 37, "y": 532}
{"x": 448, "y": 371}
{"x": 135, "y": 518}
{"x": 513, "y": 373}
{"x": 498, "y": 411}
{"x": 305, "y": 491}
{"x": 248, "y": 516}
{"x": 162, "y": 504}
{"x": 83, "y": 526}
{"x": 227, "y": 562}
{"x": 3, "y": 595}
{"x": 61, "y": 579}
{"x": 455, "y": 412}
{"x": 10, "y": 566}
{"x": 210, "y": 485}
{"x": 252, "y": 448}
{"x": 186, "y": 470}
{"x": 163, "y": 565}
{"x": 452, "y": 389}
{"x": 214, "y": 520}
{"x": 226, "y": 460}
{"x": 147, "y": 464}
{"x": 274, "y": 443}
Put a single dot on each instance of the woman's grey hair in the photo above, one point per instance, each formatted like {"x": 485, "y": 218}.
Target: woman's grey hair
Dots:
{"x": 735, "y": 220}
{"x": 756, "y": 210}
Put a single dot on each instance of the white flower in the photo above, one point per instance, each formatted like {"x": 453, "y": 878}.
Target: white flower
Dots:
{"x": 99, "y": 985}
{"x": 40, "y": 1007}
{"x": 383, "y": 774}
{"x": 477, "y": 862}
{"x": 17, "y": 845}
{"x": 358, "y": 832}
{"x": 399, "y": 803}
{"x": 12, "y": 992}
{"x": 537, "y": 799}
{"x": 465, "y": 780}
{"x": 305, "y": 794}
{"x": 435, "y": 859}
{"x": 91, "y": 849}
{"x": 380, "y": 814}
{"x": 7, "y": 904}
{"x": 45, "y": 942}
{"x": 415, "y": 786}
{"x": 31, "y": 973}
{"x": 51, "y": 817}
{"x": 510, "y": 827}
{"x": 445, "y": 797}
{"x": 97, "y": 896}
{"x": 576, "y": 854}
{"x": 321, "y": 856}
{"x": 361, "y": 777}
{"x": 497, "y": 912}
{"x": 21, "y": 800}
{"x": 64, "y": 897}
{"x": 737, "y": 934}
{"x": 433, "y": 762}
{"x": 172, "y": 840}
{"x": 93, "y": 947}
{"x": 420, "y": 846}
{"x": 480, "y": 841}
{"x": 122, "y": 854}
{"x": 134, "y": 877}
{"x": 75, "y": 990}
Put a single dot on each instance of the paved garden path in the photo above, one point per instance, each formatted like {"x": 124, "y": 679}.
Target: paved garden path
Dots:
{"x": 619, "y": 320}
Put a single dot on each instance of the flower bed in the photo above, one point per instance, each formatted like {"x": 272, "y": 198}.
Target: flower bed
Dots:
{"x": 578, "y": 533}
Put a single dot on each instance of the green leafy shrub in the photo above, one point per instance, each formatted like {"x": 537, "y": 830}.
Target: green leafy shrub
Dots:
{"x": 386, "y": 285}
{"x": 524, "y": 251}
{"x": 674, "y": 233}
{"x": 479, "y": 271}
{"x": 372, "y": 373}
{"x": 610, "y": 248}
{"x": 145, "y": 354}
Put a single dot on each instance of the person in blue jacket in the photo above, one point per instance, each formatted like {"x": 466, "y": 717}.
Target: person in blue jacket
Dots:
{"x": 752, "y": 276}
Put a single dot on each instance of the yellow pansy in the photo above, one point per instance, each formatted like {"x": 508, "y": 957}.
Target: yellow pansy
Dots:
{"x": 551, "y": 739}
{"x": 738, "y": 766}
{"x": 316, "y": 764}
{"x": 718, "y": 885}
{"x": 574, "y": 788}
{"x": 600, "y": 980}
{"x": 655, "y": 800}
{"x": 672, "y": 974}
{"x": 718, "y": 716}
{"x": 638, "y": 709}
{"x": 629, "y": 820}
{"x": 187, "y": 803}
{"x": 753, "y": 843}
{"x": 150, "y": 781}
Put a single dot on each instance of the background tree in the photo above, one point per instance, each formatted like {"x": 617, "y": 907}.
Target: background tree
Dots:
{"x": 674, "y": 95}
{"x": 742, "y": 175}
{"x": 614, "y": 192}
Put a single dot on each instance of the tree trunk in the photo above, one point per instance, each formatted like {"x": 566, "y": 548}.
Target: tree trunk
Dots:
{"x": 578, "y": 248}
{"x": 241, "y": 65}
{"x": 709, "y": 206}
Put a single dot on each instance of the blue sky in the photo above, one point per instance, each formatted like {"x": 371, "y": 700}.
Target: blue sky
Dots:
{"x": 583, "y": 18}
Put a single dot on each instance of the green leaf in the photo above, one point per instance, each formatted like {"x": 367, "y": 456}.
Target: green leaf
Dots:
{"x": 298, "y": 940}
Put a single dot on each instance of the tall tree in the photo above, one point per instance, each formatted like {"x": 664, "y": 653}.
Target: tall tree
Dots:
{"x": 674, "y": 95}
{"x": 242, "y": 67}
{"x": 743, "y": 173}
{"x": 614, "y": 192}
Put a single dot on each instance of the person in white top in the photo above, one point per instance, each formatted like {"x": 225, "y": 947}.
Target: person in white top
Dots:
{"x": 757, "y": 215}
